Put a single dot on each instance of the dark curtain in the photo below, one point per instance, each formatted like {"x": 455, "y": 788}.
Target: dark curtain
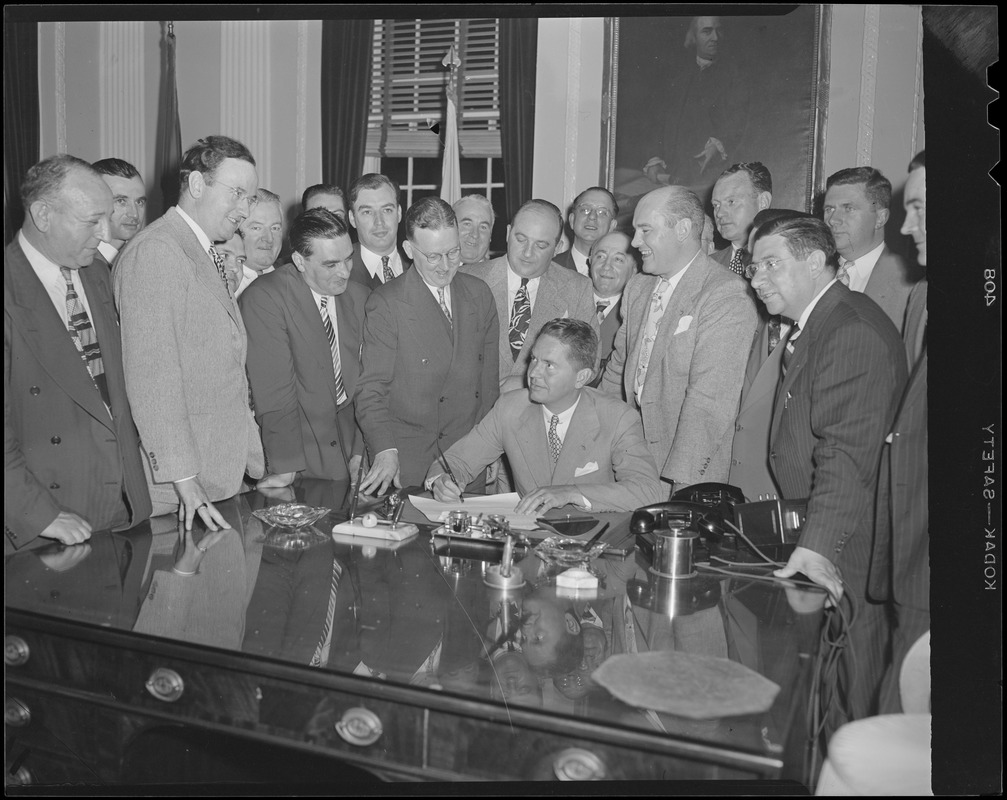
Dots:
{"x": 346, "y": 85}
{"x": 518, "y": 45}
{"x": 168, "y": 145}
{"x": 22, "y": 137}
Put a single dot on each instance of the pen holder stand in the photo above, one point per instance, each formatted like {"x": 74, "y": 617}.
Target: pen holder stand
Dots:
{"x": 495, "y": 578}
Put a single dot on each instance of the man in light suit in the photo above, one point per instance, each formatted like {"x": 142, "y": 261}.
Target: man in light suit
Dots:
{"x": 613, "y": 262}
{"x": 262, "y": 234}
{"x": 856, "y": 209}
{"x": 593, "y": 213}
{"x": 375, "y": 212}
{"x": 741, "y": 192}
{"x": 567, "y": 444}
{"x": 429, "y": 358}
{"x": 900, "y": 568}
{"x": 529, "y": 289}
{"x": 72, "y": 458}
{"x": 680, "y": 353}
{"x": 129, "y": 205}
{"x": 304, "y": 410}
{"x": 844, "y": 367}
{"x": 184, "y": 342}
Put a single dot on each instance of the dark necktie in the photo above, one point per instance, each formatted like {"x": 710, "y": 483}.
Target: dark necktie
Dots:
{"x": 330, "y": 334}
{"x": 520, "y": 316}
{"x": 788, "y": 351}
{"x": 84, "y": 337}
{"x": 774, "y": 332}
{"x": 386, "y": 270}
{"x": 600, "y": 307}
{"x": 738, "y": 261}
{"x": 555, "y": 445}
{"x": 218, "y": 262}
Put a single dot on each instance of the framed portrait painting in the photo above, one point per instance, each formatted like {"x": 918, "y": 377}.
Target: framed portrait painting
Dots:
{"x": 687, "y": 96}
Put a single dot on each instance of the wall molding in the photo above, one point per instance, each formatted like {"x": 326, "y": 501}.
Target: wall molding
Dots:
{"x": 868, "y": 84}
{"x": 245, "y": 90}
{"x": 301, "y": 139}
{"x": 121, "y": 92}
{"x": 573, "y": 68}
{"x": 918, "y": 88}
{"x": 60, "y": 65}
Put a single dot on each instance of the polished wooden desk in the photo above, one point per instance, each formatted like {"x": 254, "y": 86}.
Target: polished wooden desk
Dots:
{"x": 297, "y": 660}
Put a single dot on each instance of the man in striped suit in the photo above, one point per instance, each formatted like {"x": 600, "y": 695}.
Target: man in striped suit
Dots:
{"x": 902, "y": 547}
{"x": 844, "y": 368}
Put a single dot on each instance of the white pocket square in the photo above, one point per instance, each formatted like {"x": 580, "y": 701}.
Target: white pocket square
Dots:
{"x": 683, "y": 325}
{"x": 587, "y": 469}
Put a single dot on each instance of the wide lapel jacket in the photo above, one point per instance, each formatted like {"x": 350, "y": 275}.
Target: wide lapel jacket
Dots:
{"x": 889, "y": 286}
{"x": 533, "y": 443}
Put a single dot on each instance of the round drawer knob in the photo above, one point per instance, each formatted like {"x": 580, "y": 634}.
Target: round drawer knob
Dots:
{"x": 16, "y": 713}
{"x": 359, "y": 726}
{"x": 15, "y": 651}
{"x": 165, "y": 684}
{"x": 576, "y": 764}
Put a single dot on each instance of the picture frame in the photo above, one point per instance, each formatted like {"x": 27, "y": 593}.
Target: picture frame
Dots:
{"x": 763, "y": 97}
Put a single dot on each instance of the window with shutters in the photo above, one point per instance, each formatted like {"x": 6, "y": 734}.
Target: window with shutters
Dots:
{"x": 406, "y": 121}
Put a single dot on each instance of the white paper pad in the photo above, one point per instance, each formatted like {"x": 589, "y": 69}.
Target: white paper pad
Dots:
{"x": 502, "y": 504}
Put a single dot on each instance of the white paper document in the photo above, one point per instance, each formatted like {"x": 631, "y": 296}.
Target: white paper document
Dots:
{"x": 502, "y": 504}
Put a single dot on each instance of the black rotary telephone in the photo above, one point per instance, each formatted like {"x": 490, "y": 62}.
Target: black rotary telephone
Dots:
{"x": 702, "y": 507}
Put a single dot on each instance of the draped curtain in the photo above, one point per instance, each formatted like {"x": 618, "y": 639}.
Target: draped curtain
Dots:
{"x": 518, "y": 45}
{"x": 168, "y": 144}
{"x": 22, "y": 137}
{"x": 346, "y": 82}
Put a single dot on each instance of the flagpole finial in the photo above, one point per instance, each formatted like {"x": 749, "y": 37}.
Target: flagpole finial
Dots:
{"x": 451, "y": 60}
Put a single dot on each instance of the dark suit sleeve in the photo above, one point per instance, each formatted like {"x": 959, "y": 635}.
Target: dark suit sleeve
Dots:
{"x": 272, "y": 380}
{"x": 855, "y": 385}
{"x": 377, "y": 368}
{"x": 28, "y": 506}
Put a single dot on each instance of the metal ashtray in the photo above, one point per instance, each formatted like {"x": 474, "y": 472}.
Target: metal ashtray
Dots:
{"x": 562, "y": 552}
{"x": 290, "y": 515}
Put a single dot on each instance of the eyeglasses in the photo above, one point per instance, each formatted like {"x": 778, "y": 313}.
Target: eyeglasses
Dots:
{"x": 600, "y": 211}
{"x": 434, "y": 259}
{"x": 238, "y": 195}
{"x": 771, "y": 265}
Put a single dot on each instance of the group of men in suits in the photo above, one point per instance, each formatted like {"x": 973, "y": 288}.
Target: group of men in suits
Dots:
{"x": 393, "y": 359}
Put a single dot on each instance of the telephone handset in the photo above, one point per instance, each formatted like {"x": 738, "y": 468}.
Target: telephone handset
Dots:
{"x": 679, "y": 514}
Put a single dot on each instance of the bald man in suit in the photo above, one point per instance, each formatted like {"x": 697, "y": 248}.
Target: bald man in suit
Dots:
{"x": 72, "y": 458}
{"x": 529, "y": 289}
{"x": 843, "y": 368}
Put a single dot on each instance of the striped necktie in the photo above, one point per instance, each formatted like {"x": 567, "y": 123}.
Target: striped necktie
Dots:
{"x": 444, "y": 305}
{"x": 520, "y": 316}
{"x": 330, "y": 334}
{"x": 788, "y": 351}
{"x": 321, "y": 656}
{"x": 84, "y": 337}
{"x": 599, "y": 309}
{"x": 843, "y": 276}
{"x": 218, "y": 262}
{"x": 386, "y": 270}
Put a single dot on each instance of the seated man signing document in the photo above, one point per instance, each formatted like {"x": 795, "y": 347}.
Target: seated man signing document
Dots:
{"x": 566, "y": 443}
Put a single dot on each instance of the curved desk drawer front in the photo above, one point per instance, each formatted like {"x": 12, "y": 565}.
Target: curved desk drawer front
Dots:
{"x": 391, "y": 658}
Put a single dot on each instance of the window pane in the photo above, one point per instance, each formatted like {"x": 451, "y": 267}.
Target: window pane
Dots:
{"x": 396, "y": 168}
{"x": 427, "y": 170}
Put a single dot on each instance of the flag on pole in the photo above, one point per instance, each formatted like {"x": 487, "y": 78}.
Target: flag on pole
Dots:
{"x": 451, "y": 176}
{"x": 168, "y": 145}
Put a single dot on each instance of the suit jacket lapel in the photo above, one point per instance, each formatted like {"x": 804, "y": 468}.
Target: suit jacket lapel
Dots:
{"x": 418, "y": 300}
{"x": 680, "y": 304}
{"x": 494, "y": 274}
{"x": 206, "y": 270}
{"x": 49, "y": 340}
{"x": 534, "y": 446}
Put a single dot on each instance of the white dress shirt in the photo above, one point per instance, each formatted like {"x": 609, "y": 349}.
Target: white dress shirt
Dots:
{"x": 52, "y": 279}
{"x": 514, "y": 283}
{"x": 860, "y": 272}
{"x": 580, "y": 261}
{"x": 612, "y": 301}
{"x": 108, "y": 251}
{"x": 373, "y": 263}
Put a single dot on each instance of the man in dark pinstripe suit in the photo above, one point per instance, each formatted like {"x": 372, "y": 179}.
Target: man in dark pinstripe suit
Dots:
{"x": 843, "y": 372}
{"x": 900, "y": 569}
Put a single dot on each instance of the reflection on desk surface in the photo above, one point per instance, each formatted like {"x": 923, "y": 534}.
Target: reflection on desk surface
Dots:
{"x": 401, "y": 613}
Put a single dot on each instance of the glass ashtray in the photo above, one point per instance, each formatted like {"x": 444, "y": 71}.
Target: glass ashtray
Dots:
{"x": 290, "y": 515}
{"x": 563, "y": 552}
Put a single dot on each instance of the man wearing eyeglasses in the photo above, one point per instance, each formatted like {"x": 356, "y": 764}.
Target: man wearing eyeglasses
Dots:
{"x": 856, "y": 208}
{"x": 592, "y": 215}
{"x": 304, "y": 322}
{"x": 429, "y": 368}
{"x": 843, "y": 369}
{"x": 184, "y": 341}
{"x": 262, "y": 232}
